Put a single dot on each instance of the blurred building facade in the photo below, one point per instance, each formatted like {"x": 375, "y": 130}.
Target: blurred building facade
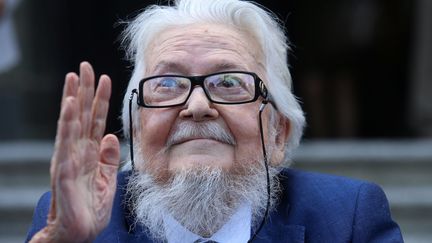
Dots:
{"x": 360, "y": 67}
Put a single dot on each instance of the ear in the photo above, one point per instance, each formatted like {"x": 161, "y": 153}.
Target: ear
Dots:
{"x": 283, "y": 130}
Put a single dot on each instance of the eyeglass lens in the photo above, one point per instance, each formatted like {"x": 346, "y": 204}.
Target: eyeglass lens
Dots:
{"x": 224, "y": 87}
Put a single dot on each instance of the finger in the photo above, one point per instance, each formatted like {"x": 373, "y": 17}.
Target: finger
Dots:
{"x": 100, "y": 108}
{"x": 110, "y": 160}
{"x": 85, "y": 96}
{"x": 70, "y": 87}
{"x": 65, "y": 114}
{"x": 110, "y": 151}
{"x": 67, "y": 130}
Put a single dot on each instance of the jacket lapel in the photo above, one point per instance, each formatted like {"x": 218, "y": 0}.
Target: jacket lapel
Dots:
{"x": 277, "y": 231}
{"x": 123, "y": 237}
{"x": 279, "y": 227}
{"x": 284, "y": 234}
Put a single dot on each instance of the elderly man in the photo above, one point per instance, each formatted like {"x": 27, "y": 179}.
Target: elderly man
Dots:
{"x": 211, "y": 122}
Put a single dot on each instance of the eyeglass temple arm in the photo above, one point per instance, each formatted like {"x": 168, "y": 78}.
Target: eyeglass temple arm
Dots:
{"x": 268, "y": 98}
{"x": 134, "y": 91}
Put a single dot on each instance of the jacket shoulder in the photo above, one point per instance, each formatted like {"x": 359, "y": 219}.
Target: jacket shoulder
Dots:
{"x": 337, "y": 207}
{"x": 300, "y": 187}
{"x": 323, "y": 192}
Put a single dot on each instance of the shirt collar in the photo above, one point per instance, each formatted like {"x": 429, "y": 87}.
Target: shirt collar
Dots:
{"x": 236, "y": 230}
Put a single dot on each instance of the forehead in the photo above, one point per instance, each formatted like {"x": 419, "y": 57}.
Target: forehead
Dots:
{"x": 202, "y": 48}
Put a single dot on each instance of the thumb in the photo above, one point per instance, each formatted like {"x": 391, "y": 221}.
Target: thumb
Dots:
{"x": 110, "y": 150}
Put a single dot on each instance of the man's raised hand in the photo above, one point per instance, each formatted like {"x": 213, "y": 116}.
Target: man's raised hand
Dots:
{"x": 84, "y": 164}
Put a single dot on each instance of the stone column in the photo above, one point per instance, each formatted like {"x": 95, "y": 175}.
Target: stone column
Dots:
{"x": 421, "y": 71}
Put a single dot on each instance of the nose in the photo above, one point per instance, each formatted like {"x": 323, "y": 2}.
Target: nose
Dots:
{"x": 199, "y": 107}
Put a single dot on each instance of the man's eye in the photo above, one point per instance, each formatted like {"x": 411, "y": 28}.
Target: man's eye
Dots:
{"x": 168, "y": 83}
{"x": 229, "y": 82}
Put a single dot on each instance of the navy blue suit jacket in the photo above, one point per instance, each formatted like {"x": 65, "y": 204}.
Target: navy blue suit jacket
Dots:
{"x": 313, "y": 208}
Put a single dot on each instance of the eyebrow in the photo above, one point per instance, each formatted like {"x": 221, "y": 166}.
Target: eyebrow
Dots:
{"x": 227, "y": 66}
{"x": 167, "y": 66}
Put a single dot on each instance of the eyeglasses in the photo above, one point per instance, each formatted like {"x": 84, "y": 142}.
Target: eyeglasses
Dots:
{"x": 233, "y": 87}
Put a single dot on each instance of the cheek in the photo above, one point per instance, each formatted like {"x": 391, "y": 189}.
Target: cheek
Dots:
{"x": 244, "y": 127}
{"x": 154, "y": 130}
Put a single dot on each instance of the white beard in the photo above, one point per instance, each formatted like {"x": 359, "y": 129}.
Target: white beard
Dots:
{"x": 202, "y": 199}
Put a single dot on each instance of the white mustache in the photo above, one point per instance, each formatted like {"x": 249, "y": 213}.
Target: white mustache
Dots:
{"x": 185, "y": 131}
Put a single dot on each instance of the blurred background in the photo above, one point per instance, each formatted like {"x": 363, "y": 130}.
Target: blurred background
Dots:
{"x": 361, "y": 68}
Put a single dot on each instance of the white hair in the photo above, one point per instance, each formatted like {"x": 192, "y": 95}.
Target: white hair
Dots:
{"x": 257, "y": 21}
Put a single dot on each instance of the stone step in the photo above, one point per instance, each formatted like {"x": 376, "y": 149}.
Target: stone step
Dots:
{"x": 401, "y": 163}
{"x": 25, "y": 163}
{"x": 412, "y": 208}
{"x": 16, "y": 210}
{"x": 11, "y": 239}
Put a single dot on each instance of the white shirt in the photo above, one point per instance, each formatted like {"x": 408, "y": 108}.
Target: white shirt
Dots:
{"x": 236, "y": 230}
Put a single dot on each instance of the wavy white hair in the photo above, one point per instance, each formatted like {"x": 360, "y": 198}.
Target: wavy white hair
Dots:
{"x": 257, "y": 21}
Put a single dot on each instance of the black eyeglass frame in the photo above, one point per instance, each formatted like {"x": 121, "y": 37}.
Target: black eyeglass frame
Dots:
{"x": 260, "y": 88}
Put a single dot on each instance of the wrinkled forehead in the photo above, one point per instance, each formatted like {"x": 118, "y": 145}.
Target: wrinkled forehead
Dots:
{"x": 211, "y": 47}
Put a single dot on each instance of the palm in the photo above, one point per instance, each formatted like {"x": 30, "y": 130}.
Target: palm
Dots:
{"x": 84, "y": 165}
